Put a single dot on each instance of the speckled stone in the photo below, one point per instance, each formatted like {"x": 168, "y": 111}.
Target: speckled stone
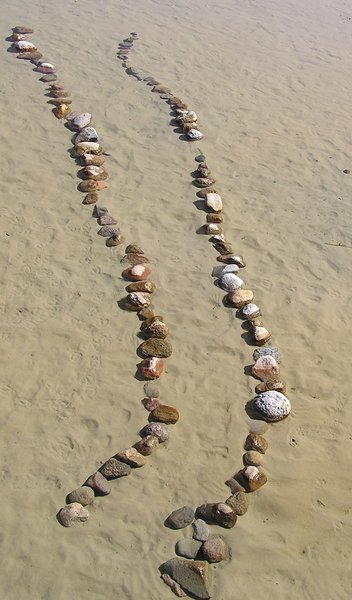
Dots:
{"x": 160, "y": 430}
{"x": 165, "y": 414}
{"x": 72, "y": 513}
{"x": 180, "y": 518}
{"x": 273, "y": 406}
{"x": 266, "y": 368}
{"x": 151, "y": 403}
{"x": 200, "y": 530}
{"x": 132, "y": 457}
{"x": 151, "y": 390}
{"x": 267, "y": 351}
{"x": 158, "y": 347}
{"x": 239, "y": 502}
{"x": 113, "y": 469}
{"x": 99, "y": 484}
{"x": 147, "y": 445}
{"x": 267, "y": 386}
{"x": 187, "y": 547}
{"x": 257, "y": 442}
{"x": 217, "y": 514}
{"x": 214, "y": 550}
{"x": 83, "y": 495}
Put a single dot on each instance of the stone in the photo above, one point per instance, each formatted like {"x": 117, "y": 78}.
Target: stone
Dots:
{"x": 232, "y": 259}
{"x": 22, "y": 29}
{"x": 83, "y": 495}
{"x": 160, "y": 430}
{"x": 214, "y": 550}
{"x": 49, "y": 78}
{"x": 90, "y": 198}
{"x": 215, "y": 218}
{"x": 239, "y": 502}
{"x": 107, "y": 220}
{"x": 156, "y": 347}
{"x": 147, "y": 445}
{"x": 204, "y": 182}
{"x": 165, "y": 414}
{"x": 212, "y": 228}
{"x": 200, "y": 530}
{"x": 266, "y": 386}
{"x": 72, "y": 513}
{"x": 213, "y": 202}
{"x": 253, "y": 478}
{"x": 250, "y": 311}
{"x": 230, "y": 282}
{"x": 107, "y": 231}
{"x": 137, "y": 300}
{"x": 147, "y": 322}
{"x": 113, "y": 469}
{"x": 92, "y": 159}
{"x": 222, "y": 269}
{"x": 268, "y": 351}
{"x": 253, "y": 458}
{"x": 223, "y": 248}
{"x": 99, "y": 484}
{"x": 24, "y": 45}
{"x": 202, "y": 193}
{"x": 82, "y": 120}
{"x": 161, "y": 89}
{"x": 200, "y": 158}
{"x": 88, "y": 134}
{"x": 234, "y": 485}
{"x": 187, "y": 547}
{"x": 115, "y": 240}
{"x": 180, "y": 517}
{"x": 146, "y": 313}
{"x": 272, "y": 406}
{"x": 261, "y": 335}
{"x": 239, "y": 298}
{"x": 194, "y": 134}
{"x": 134, "y": 259}
{"x": 175, "y": 587}
{"x": 194, "y": 576}
{"x": 136, "y": 273}
{"x": 133, "y": 249}
{"x": 132, "y": 457}
{"x": 265, "y": 368}
{"x": 151, "y": 390}
{"x": 256, "y": 426}
{"x": 203, "y": 170}
{"x": 255, "y": 441}
{"x": 217, "y": 514}
{"x": 151, "y": 403}
{"x": 156, "y": 329}
{"x": 61, "y": 111}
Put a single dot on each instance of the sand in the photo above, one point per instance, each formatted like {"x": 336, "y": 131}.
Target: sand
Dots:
{"x": 271, "y": 83}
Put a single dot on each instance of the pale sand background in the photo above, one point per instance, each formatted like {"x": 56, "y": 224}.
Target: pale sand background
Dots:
{"x": 271, "y": 82}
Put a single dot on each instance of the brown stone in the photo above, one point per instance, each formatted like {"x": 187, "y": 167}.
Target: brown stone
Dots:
{"x": 133, "y": 249}
{"x": 136, "y": 273}
{"x": 239, "y": 298}
{"x": 156, "y": 329}
{"x": 261, "y": 335}
{"x": 266, "y": 386}
{"x": 257, "y": 442}
{"x": 253, "y": 478}
{"x": 234, "y": 485}
{"x": 91, "y": 198}
{"x": 152, "y": 368}
{"x": 253, "y": 458}
{"x": 239, "y": 502}
{"x": 147, "y": 445}
{"x": 217, "y": 514}
{"x": 215, "y": 218}
{"x": 137, "y": 301}
{"x": 203, "y": 193}
{"x": 141, "y": 286}
{"x": 134, "y": 259}
{"x": 165, "y": 414}
{"x": 146, "y": 313}
{"x": 160, "y": 348}
{"x": 223, "y": 248}
{"x": 132, "y": 457}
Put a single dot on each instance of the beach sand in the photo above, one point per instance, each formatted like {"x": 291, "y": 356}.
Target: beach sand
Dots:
{"x": 271, "y": 83}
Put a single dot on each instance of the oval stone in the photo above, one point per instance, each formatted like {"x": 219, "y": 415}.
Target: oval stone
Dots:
{"x": 73, "y": 512}
{"x": 273, "y": 406}
{"x": 255, "y": 441}
{"x": 215, "y": 550}
{"x": 266, "y": 368}
{"x": 160, "y": 430}
{"x": 239, "y": 503}
{"x": 239, "y": 298}
{"x": 213, "y": 202}
{"x": 156, "y": 347}
{"x": 230, "y": 282}
{"x": 181, "y": 517}
{"x": 83, "y": 495}
{"x": 253, "y": 458}
{"x": 147, "y": 445}
{"x": 132, "y": 457}
{"x": 165, "y": 414}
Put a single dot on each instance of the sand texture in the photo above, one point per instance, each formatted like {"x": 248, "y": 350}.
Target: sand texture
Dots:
{"x": 271, "y": 83}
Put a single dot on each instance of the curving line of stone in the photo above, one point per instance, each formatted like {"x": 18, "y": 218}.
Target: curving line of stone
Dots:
{"x": 89, "y": 154}
{"x": 191, "y": 573}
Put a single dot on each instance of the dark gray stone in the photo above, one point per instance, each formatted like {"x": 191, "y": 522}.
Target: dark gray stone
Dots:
{"x": 113, "y": 468}
{"x": 200, "y": 530}
{"x": 194, "y": 576}
{"x": 180, "y": 518}
{"x": 187, "y": 547}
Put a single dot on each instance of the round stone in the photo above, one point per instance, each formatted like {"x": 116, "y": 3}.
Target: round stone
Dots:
{"x": 187, "y": 547}
{"x": 160, "y": 430}
{"x": 151, "y": 403}
{"x": 156, "y": 347}
{"x": 83, "y": 495}
{"x": 254, "y": 441}
{"x": 250, "y": 311}
{"x": 261, "y": 335}
{"x": 256, "y": 426}
{"x": 137, "y": 272}
{"x": 239, "y": 502}
{"x": 113, "y": 469}
{"x": 230, "y": 282}
{"x": 180, "y": 518}
{"x": 267, "y": 351}
{"x": 200, "y": 530}
{"x": 214, "y": 549}
{"x": 165, "y": 414}
{"x": 239, "y": 298}
{"x": 151, "y": 390}
{"x": 253, "y": 458}
{"x": 265, "y": 368}
{"x": 71, "y": 513}
{"x": 200, "y": 158}
{"x": 147, "y": 445}
{"x": 132, "y": 457}
{"x": 273, "y": 406}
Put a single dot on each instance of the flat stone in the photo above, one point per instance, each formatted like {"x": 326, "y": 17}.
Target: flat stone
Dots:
{"x": 156, "y": 347}
{"x": 193, "y": 576}
{"x": 230, "y": 282}
{"x": 239, "y": 502}
{"x": 273, "y": 406}
{"x": 234, "y": 485}
{"x": 175, "y": 587}
{"x": 254, "y": 479}
{"x": 215, "y": 218}
{"x": 214, "y": 550}
{"x": 213, "y": 229}
{"x": 107, "y": 220}
{"x": 266, "y": 368}
{"x": 137, "y": 272}
{"x": 255, "y": 441}
{"x": 151, "y": 403}
{"x": 165, "y": 414}
{"x": 220, "y": 270}
{"x": 147, "y": 445}
{"x": 83, "y": 495}
{"x": 133, "y": 249}
{"x": 72, "y": 513}
{"x": 267, "y": 386}
{"x": 137, "y": 300}
{"x": 232, "y": 259}
{"x": 156, "y": 329}
{"x": 90, "y": 198}
{"x": 113, "y": 469}
{"x": 141, "y": 286}
{"x": 99, "y": 211}
{"x": 200, "y": 158}
{"x": 202, "y": 193}
{"x": 217, "y": 514}
{"x": 160, "y": 430}
{"x": 256, "y": 426}
{"x": 253, "y": 458}
{"x": 213, "y": 202}
{"x": 187, "y": 547}
{"x": 132, "y": 457}
{"x": 107, "y": 231}
{"x": 134, "y": 259}
{"x": 267, "y": 351}
{"x": 200, "y": 530}
{"x": 152, "y": 368}
{"x": 223, "y": 248}
{"x": 239, "y": 298}
{"x": 151, "y": 390}
{"x": 180, "y": 518}
{"x": 99, "y": 484}
{"x": 250, "y": 311}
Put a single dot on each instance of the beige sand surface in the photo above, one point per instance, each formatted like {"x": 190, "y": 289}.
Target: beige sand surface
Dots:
{"x": 271, "y": 82}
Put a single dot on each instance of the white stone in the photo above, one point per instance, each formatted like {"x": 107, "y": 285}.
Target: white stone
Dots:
{"x": 137, "y": 270}
{"x": 88, "y": 134}
{"x": 222, "y": 269}
{"x": 47, "y": 65}
{"x": 94, "y": 170}
{"x": 273, "y": 406}
{"x": 230, "y": 282}
{"x": 213, "y": 228}
{"x": 251, "y": 311}
{"x": 24, "y": 46}
{"x": 261, "y": 335}
{"x": 194, "y": 134}
{"x": 214, "y": 202}
{"x": 82, "y": 120}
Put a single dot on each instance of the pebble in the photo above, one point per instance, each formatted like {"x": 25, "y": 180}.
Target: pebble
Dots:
{"x": 200, "y": 158}
{"x": 218, "y": 514}
{"x": 232, "y": 259}
{"x": 200, "y": 530}
{"x": 73, "y": 512}
{"x": 268, "y": 351}
{"x": 136, "y": 273}
{"x": 151, "y": 390}
{"x": 215, "y": 550}
{"x": 90, "y": 198}
{"x": 92, "y": 159}
{"x": 239, "y": 502}
{"x": 107, "y": 231}
{"x": 254, "y": 479}
{"x": 113, "y": 469}
{"x": 250, "y": 311}
{"x": 180, "y": 518}
{"x": 187, "y": 547}
{"x": 213, "y": 202}
{"x": 265, "y": 368}
{"x": 223, "y": 248}
{"x": 147, "y": 445}
{"x": 203, "y": 182}
{"x": 49, "y": 78}
{"x": 266, "y": 386}
{"x": 234, "y": 485}
{"x": 160, "y": 430}
{"x": 132, "y": 457}
{"x": 99, "y": 484}
{"x": 215, "y": 218}
{"x": 239, "y": 298}
{"x": 83, "y": 495}
{"x": 273, "y": 406}
{"x": 194, "y": 576}
{"x": 165, "y": 414}
{"x": 115, "y": 240}
{"x": 222, "y": 269}
{"x": 137, "y": 300}
{"x": 194, "y": 134}
{"x": 254, "y": 458}
{"x": 230, "y": 282}
{"x": 133, "y": 249}
{"x": 22, "y": 29}
{"x": 89, "y": 185}
{"x": 134, "y": 259}
{"x": 151, "y": 403}
{"x": 259, "y": 427}
{"x": 99, "y": 211}
{"x": 212, "y": 228}
{"x": 175, "y": 587}
{"x": 255, "y": 441}
{"x": 152, "y": 368}
{"x": 141, "y": 286}
{"x": 261, "y": 335}
{"x": 61, "y": 111}
{"x": 82, "y": 120}
{"x": 88, "y": 134}
{"x": 156, "y": 347}
{"x": 156, "y": 329}
{"x": 106, "y": 220}
{"x": 146, "y": 313}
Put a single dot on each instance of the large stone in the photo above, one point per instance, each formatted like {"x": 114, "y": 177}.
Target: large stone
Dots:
{"x": 113, "y": 469}
{"x": 72, "y": 513}
{"x": 213, "y": 202}
{"x": 267, "y": 351}
{"x": 217, "y": 514}
{"x": 160, "y": 430}
{"x": 83, "y": 495}
{"x": 239, "y": 503}
{"x": 132, "y": 457}
{"x": 214, "y": 550}
{"x": 255, "y": 441}
{"x": 200, "y": 530}
{"x": 152, "y": 368}
{"x": 165, "y": 414}
{"x": 272, "y": 406}
{"x": 266, "y": 368}
{"x": 187, "y": 547}
{"x": 156, "y": 347}
{"x": 180, "y": 517}
{"x": 99, "y": 484}
{"x": 253, "y": 478}
{"x": 194, "y": 576}
{"x": 239, "y": 298}
{"x": 147, "y": 445}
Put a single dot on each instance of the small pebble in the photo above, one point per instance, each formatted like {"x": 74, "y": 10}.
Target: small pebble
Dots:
{"x": 215, "y": 550}
{"x": 187, "y": 547}
{"x": 83, "y": 495}
{"x": 259, "y": 427}
{"x": 73, "y": 512}
{"x": 99, "y": 484}
{"x": 200, "y": 530}
{"x": 200, "y": 158}
{"x": 180, "y": 518}
{"x": 151, "y": 390}
{"x": 254, "y": 441}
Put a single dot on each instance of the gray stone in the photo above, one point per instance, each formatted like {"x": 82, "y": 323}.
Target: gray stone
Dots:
{"x": 267, "y": 351}
{"x": 239, "y": 503}
{"x": 187, "y": 547}
{"x": 84, "y": 495}
{"x": 160, "y": 430}
{"x": 272, "y": 406}
{"x": 180, "y": 518}
{"x": 113, "y": 468}
{"x": 194, "y": 576}
{"x": 200, "y": 530}
{"x": 71, "y": 513}
{"x": 254, "y": 458}
{"x": 151, "y": 390}
{"x": 175, "y": 587}
{"x": 215, "y": 550}
{"x": 256, "y": 426}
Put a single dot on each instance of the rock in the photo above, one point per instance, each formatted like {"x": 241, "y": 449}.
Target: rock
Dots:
{"x": 106, "y": 220}
{"x": 261, "y": 335}
{"x": 88, "y": 134}
{"x": 44, "y": 67}
{"x": 215, "y": 550}
{"x": 187, "y": 547}
{"x": 217, "y": 514}
{"x": 222, "y": 269}
{"x": 113, "y": 469}
{"x": 156, "y": 329}
{"x": 203, "y": 170}
{"x": 266, "y": 386}
{"x": 265, "y": 368}
{"x": 147, "y": 445}
{"x": 200, "y": 158}
{"x": 175, "y": 587}
{"x": 160, "y": 430}
{"x": 213, "y": 202}
{"x": 215, "y": 218}
{"x": 151, "y": 390}
{"x": 132, "y": 457}
{"x": 71, "y": 513}
{"x": 232, "y": 259}
{"x": 91, "y": 198}
{"x": 89, "y": 185}
{"x": 273, "y": 406}
{"x": 255, "y": 441}
{"x": 165, "y": 414}
{"x": 250, "y": 311}
{"x": 212, "y": 228}
{"x": 34, "y": 56}
{"x": 141, "y": 286}
{"x": 24, "y": 46}
{"x": 151, "y": 403}
{"x": 133, "y": 249}
{"x": 253, "y": 458}
{"x": 22, "y": 29}
{"x": 259, "y": 427}
{"x": 83, "y": 495}
{"x": 134, "y": 259}
{"x": 147, "y": 322}
{"x": 83, "y": 148}
{"x": 180, "y": 518}
{"x": 268, "y": 351}
{"x": 234, "y": 485}
{"x": 49, "y": 78}
{"x": 156, "y": 347}
{"x": 99, "y": 484}
{"x": 136, "y": 273}
{"x": 223, "y": 248}
{"x": 253, "y": 478}
{"x": 194, "y": 134}
{"x": 92, "y": 159}
{"x": 200, "y": 530}
{"x": 239, "y": 298}
{"x": 94, "y": 173}
{"x": 82, "y": 120}
{"x": 61, "y": 111}
{"x": 107, "y": 231}
{"x": 230, "y": 282}
{"x": 146, "y": 313}
{"x": 61, "y": 94}
{"x": 115, "y": 240}
{"x": 239, "y": 502}
{"x": 204, "y": 182}
{"x": 137, "y": 300}
{"x": 161, "y": 89}
{"x": 194, "y": 576}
